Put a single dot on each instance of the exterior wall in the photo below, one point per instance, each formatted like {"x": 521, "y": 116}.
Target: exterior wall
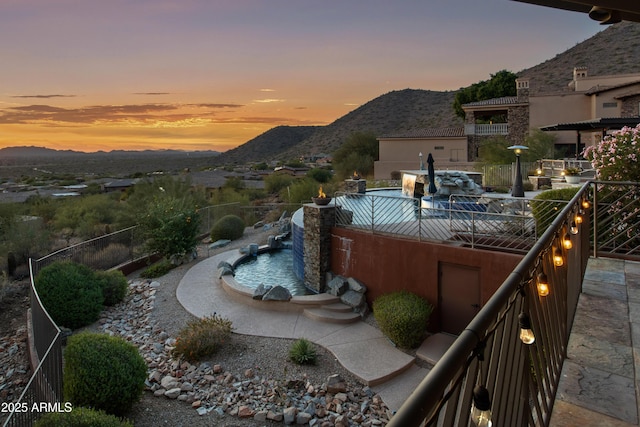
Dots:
{"x": 403, "y": 153}
{"x": 631, "y": 106}
{"x": 385, "y": 264}
{"x": 518, "y": 124}
{"x": 586, "y": 83}
{"x": 564, "y": 108}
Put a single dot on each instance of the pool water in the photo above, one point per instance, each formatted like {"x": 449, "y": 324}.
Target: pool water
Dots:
{"x": 271, "y": 268}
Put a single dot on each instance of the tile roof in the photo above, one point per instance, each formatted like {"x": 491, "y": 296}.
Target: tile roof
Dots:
{"x": 505, "y": 100}
{"x": 429, "y": 133}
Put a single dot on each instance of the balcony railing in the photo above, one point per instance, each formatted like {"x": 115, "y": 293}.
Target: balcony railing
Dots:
{"x": 486, "y": 129}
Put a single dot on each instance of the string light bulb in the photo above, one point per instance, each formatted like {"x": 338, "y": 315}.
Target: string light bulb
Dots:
{"x": 586, "y": 204}
{"x": 578, "y": 218}
{"x": 573, "y": 229}
{"x": 566, "y": 242}
{"x": 543, "y": 285}
{"x": 481, "y": 408}
{"x": 558, "y": 260}
{"x": 526, "y": 333}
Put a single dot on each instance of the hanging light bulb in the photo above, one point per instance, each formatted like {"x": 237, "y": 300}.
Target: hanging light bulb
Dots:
{"x": 481, "y": 408}
{"x": 543, "y": 285}
{"x": 558, "y": 260}
{"x": 574, "y": 228}
{"x": 566, "y": 241}
{"x": 526, "y": 333}
{"x": 578, "y": 218}
{"x": 586, "y": 204}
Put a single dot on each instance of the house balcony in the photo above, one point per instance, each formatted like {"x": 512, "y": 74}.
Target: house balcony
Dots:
{"x": 486, "y": 129}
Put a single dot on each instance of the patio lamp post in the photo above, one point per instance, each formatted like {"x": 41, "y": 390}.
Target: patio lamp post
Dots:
{"x": 518, "y": 190}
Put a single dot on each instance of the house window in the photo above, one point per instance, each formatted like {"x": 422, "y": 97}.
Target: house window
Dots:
{"x": 439, "y": 147}
{"x": 609, "y": 104}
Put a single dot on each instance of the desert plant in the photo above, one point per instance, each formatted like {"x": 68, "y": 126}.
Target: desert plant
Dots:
{"x": 158, "y": 269}
{"x": 114, "y": 286}
{"x": 71, "y": 293}
{"x": 548, "y": 204}
{"x": 229, "y": 227}
{"x": 303, "y": 352}
{"x": 403, "y": 317}
{"x": 81, "y": 417}
{"x": 202, "y": 337}
{"x": 570, "y": 171}
{"x": 103, "y": 372}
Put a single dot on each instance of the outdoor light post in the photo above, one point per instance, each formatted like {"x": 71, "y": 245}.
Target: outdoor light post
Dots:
{"x": 518, "y": 190}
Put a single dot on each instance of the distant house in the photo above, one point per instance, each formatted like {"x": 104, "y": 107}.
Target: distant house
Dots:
{"x": 288, "y": 170}
{"x": 409, "y": 150}
{"x": 118, "y": 185}
{"x": 581, "y": 115}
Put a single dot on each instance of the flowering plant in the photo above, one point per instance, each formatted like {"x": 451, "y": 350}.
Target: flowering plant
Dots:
{"x": 615, "y": 158}
{"x": 571, "y": 171}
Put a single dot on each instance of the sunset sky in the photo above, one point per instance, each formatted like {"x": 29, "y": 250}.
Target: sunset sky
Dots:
{"x": 212, "y": 74}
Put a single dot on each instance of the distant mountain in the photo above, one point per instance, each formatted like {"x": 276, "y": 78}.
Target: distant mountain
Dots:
{"x": 32, "y": 152}
{"x": 265, "y": 146}
{"x": 615, "y": 50}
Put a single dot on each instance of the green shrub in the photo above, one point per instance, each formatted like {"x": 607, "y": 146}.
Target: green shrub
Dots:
{"x": 114, "y": 286}
{"x": 103, "y": 372}
{"x": 71, "y": 293}
{"x": 229, "y": 227}
{"x": 202, "y": 337}
{"x": 81, "y": 417}
{"x": 545, "y": 209}
{"x": 303, "y": 352}
{"x": 158, "y": 269}
{"x": 402, "y": 317}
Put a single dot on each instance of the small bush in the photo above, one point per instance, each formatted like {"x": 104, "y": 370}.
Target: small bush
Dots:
{"x": 402, "y": 317}
{"x": 545, "y": 209}
{"x": 158, "y": 269}
{"x": 81, "y": 417}
{"x": 202, "y": 337}
{"x": 71, "y": 293}
{"x": 303, "y": 352}
{"x": 103, "y": 372}
{"x": 114, "y": 286}
{"x": 229, "y": 227}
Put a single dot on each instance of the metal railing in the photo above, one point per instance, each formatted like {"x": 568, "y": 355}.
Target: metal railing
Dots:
{"x": 521, "y": 379}
{"x": 45, "y": 384}
{"x": 495, "y": 222}
{"x": 616, "y": 228}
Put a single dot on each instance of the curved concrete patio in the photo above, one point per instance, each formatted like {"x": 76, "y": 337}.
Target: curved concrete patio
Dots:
{"x": 361, "y": 348}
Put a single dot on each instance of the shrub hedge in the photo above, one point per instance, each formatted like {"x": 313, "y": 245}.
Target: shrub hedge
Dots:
{"x": 545, "y": 211}
{"x": 403, "y": 317}
{"x": 71, "y": 293}
{"x": 202, "y": 337}
{"x": 103, "y": 372}
{"x": 114, "y": 286}
{"x": 229, "y": 227}
{"x": 81, "y": 417}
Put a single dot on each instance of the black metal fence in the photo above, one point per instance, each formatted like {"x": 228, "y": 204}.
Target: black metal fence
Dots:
{"x": 491, "y": 357}
{"x": 45, "y": 385}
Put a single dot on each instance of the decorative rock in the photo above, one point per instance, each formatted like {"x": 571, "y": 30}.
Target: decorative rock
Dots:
{"x": 245, "y": 412}
{"x": 335, "y": 384}
{"x": 260, "y": 416}
{"x": 356, "y": 286}
{"x": 224, "y": 271}
{"x": 260, "y": 291}
{"x": 219, "y": 244}
{"x": 169, "y": 382}
{"x": 289, "y": 415}
{"x": 277, "y": 293}
{"x": 173, "y": 393}
{"x": 337, "y": 286}
{"x": 303, "y": 418}
{"x": 353, "y": 299}
{"x": 275, "y": 416}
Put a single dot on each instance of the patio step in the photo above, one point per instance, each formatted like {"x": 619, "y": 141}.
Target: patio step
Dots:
{"x": 329, "y": 315}
{"x": 338, "y": 307}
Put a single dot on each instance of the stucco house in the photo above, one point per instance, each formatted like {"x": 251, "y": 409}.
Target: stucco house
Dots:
{"x": 579, "y": 116}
